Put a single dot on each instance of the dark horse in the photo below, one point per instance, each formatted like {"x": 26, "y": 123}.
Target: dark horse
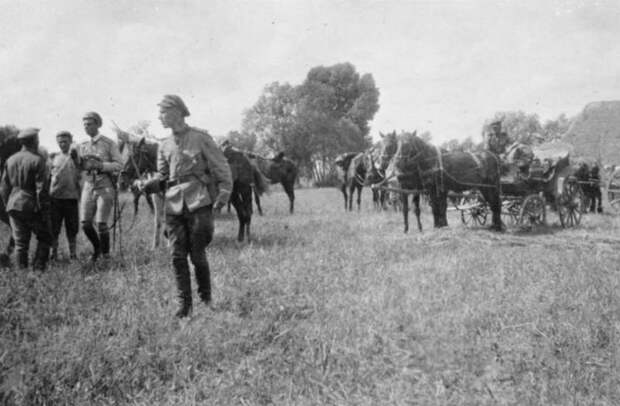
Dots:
{"x": 278, "y": 170}
{"x": 8, "y": 146}
{"x": 140, "y": 162}
{"x": 590, "y": 181}
{"x": 351, "y": 175}
{"x": 244, "y": 175}
{"x": 416, "y": 162}
{"x": 404, "y": 185}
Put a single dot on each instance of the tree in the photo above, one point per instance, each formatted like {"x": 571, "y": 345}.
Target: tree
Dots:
{"x": 519, "y": 126}
{"x": 554, "y": 129}
{"x": 326, "y": 115}
{"x": 241, "y": 140}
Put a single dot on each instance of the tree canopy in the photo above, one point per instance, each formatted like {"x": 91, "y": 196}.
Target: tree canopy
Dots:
{"x": 327, "y": 114}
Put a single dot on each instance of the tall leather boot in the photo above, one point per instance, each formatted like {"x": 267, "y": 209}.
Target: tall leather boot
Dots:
{"x": 181, "y": 270}
{"x": 41, "y": 256}
{"x": 204, "y": 282}
{"x": 72, "y": 248}
{"x": 104, "y": 239}
{"x": 92, "y": 236}
{"x": 54, "y": 253}
{"x": 22, "y": 258}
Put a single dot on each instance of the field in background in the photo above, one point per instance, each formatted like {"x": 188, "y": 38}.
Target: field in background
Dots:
{"x": 327, "y": 307}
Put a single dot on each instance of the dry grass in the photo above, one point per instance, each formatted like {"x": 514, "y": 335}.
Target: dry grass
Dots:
{"x": 327, "y": 307}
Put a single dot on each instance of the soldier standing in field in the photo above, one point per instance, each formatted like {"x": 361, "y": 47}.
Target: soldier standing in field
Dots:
{"x": 25, "y": 192}
{"x": 64, "y": 192}
{"x": 100, "y": 159}
{"x": 197, "y": 178}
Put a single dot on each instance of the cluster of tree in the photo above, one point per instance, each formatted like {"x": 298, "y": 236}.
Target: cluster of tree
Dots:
{"x": 313, "y": 122}
{"x": 520, "y": 126}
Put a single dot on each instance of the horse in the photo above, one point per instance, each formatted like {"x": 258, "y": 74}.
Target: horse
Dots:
{"x": 8, "y": 146}
{"x": 140, "y": 162}
{"x": 387, "y": 151}
{"x": 418, "y": 163}
{"x": 351, "y": 175}
{"x": 244, "y": 175}
{"x": 375, "y": 176}
{"x": 589, "y": 178}
{"x": 277, "y": 170}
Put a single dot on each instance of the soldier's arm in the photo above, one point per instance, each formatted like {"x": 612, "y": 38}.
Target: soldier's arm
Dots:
{"x": 115, "y": 164}
{"x": 42, "y": 182}
{"x": 218, "y": 167}
{"x": 5, "y": 186}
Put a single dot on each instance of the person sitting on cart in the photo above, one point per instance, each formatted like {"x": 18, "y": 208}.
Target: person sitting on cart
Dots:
{"x": 497, "y": 141}
{"x": 520, "y": 156}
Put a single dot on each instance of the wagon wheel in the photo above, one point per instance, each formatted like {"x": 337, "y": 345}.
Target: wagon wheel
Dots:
{"x": 511, "y": 211}
{"x": 474, "y": 210}
{"x": 570, "y": 204}
{"x": 533, "y": 212}
{"x": 613, "y": 191}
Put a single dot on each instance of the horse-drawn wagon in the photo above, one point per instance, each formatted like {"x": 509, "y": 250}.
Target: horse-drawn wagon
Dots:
{"x": 550, "y": 181}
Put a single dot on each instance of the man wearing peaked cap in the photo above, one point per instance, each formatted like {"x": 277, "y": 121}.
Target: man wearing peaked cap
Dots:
{"x": 498, "y": 140}
{"x": 171, "y": 101}
{"x": 198, "y": 179}
{"x": 24, "y": 188}
{"x": 100, "y": 159}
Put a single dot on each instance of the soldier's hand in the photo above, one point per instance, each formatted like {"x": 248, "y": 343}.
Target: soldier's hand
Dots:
{"x": 95, "y": 164}
{"x": 218, "y": 205}
{"x": 139, "y": 185}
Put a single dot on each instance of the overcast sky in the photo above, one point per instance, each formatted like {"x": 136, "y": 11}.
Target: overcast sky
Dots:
{"x": 443, "y": 66}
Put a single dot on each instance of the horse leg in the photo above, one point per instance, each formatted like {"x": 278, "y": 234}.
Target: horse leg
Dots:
{"x": 289, "y": 188}
{"x": 405, "y": 200}
{"x": 257, "y": 200}
{"x": 416, "y": 203}
{"x": 149, "y": 201}
{"x": 443, "y": 209}
{"x": 434, "y": 203}
{"x": 343, "y": 189}
{"x": 359, "y": 196}
{"x": 491, "y": 195}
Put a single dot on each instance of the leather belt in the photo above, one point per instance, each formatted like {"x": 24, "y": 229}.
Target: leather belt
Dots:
{"x": 182, "y": 179}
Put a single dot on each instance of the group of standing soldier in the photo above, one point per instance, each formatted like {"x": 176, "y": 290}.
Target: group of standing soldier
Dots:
{"x": 41, "y": 193}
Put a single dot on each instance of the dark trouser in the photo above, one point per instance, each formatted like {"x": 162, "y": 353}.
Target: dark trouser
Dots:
{"x": 65, "y": 210}
{"x": 189, "y": 234}
{"x": 25, "y": 224}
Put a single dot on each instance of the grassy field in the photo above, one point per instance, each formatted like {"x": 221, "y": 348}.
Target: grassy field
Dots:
{"x": 327, "y": 307}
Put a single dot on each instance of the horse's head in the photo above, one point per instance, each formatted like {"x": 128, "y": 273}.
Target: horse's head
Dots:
{"x": 8, "y": 141}
{"x": 412, "y": 156}
{"x": 386, "y": 150}
{"x": 139, "y": 158}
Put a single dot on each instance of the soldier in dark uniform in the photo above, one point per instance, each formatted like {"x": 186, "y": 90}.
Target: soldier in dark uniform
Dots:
{"x": 595, "y": 185}
{"x": 197, "y": 179}
{"x": 498, "y": 140}
{"x": 25, "y": 191}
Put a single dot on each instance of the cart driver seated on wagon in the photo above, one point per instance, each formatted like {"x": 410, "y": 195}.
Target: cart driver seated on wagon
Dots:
{"x": 517, "y": 159}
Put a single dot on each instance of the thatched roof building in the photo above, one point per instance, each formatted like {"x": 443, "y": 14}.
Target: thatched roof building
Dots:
{"x": 595, "y": 132}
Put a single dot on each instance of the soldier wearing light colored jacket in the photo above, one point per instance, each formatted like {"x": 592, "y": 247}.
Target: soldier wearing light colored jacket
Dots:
{"x": 196, "y": 178}
{"x": 100, "y": 160}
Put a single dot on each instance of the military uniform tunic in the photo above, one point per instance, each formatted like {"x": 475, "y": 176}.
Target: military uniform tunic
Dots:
{"x": 97, "y": 198}
{"x": 197, "y": 174}
{"x": 25, "y": 191}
